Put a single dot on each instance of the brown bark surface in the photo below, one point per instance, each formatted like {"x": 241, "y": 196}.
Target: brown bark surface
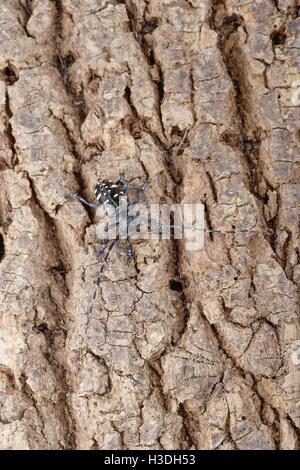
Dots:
{"x": 185, "y": 350}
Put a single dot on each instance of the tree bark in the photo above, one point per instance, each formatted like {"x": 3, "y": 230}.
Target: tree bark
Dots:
{"x": 184, "y": 349}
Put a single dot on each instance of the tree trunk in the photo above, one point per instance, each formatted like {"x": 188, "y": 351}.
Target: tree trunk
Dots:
{"x": 184, "y": 349}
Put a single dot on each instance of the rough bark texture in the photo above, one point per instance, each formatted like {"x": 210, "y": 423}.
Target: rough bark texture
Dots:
{"x": 185, "y": 350}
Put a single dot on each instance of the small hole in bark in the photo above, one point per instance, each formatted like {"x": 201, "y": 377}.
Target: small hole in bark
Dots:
{"x": 298, "y": 134}
{"x": 229, "y": 138}
{"x": 176, "y": 130}
{"x": 42, "y": 327}
{"x": 234, "y": 21}
{"x": 150, "y": 26}
{"x": 9, "y": 74}
{"x": 253, "y": 287}
{"x": 2, "y": 249}
{"x": 278, "y": 37}
{"x": 176, "y": 285}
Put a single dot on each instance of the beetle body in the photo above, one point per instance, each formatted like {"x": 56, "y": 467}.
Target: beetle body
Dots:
{"x": 110, "y": 196}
